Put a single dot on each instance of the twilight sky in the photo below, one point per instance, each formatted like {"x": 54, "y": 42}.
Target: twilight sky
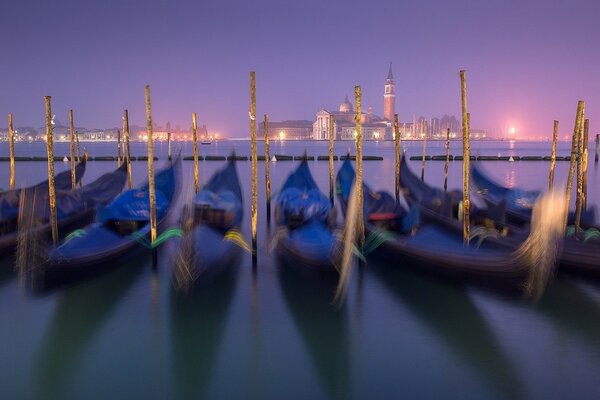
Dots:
{"x": 527, "y": 62}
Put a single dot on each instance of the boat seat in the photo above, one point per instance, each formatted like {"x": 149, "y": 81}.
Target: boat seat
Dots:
{"x": 215, "y": 217}
{"x": 125, "y": 227}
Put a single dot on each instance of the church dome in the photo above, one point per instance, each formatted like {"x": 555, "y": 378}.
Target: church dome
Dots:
{"x": 346, "y": 106}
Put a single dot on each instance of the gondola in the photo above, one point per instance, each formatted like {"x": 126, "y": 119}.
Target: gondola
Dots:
{"x": 427, "y": 245}
{"x": 306, "y": 235}
{"x": 518, "y": 202}
{"x": 74, "y": 209}
{"x": 211, "y": 226}
{"x": 579, "y": 255}
{"x": 9, "y": 200}
{"x": 121, "y": 230}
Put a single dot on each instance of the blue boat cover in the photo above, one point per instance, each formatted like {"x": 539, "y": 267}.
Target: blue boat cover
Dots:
{"x": 223, "y": 192}
{"x": 134, "y": 204}
{"x": 9, "y": 200}
{"x": 300, "y": 199}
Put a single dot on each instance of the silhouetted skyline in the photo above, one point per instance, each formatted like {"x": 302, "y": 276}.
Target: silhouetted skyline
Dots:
{"x": 527, "y": 62}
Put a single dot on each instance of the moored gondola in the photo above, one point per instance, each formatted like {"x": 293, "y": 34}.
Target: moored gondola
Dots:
{"x": 211, "y": 226}
{"x": 580, "y": 253}
{"x": 519, "y": 202}
{"x": 74, "y": 210}
{"x": 122, "y": 230}
{"x": 404, "y": 239}
{"x": 306, "y": 234}
{"x": 9, "y": 200}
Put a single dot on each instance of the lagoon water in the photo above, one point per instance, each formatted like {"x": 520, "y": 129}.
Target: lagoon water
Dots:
{"x": 272, "y": 334}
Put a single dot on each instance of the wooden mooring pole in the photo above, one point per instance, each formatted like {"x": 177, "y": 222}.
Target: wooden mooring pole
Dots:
{"x": 11, "y": 152}
{"x": 424, "y": 151}
{"x": 195, "y": 146}
{"x": 50, "y": 151}
{"x": 446, "y": 164}
{"x": 584, "y": 163}
{"x": 254, "y": 162}
{"x": 127, "y": 147}
{"x": 466, "y": 158}
{"x": 359, "y": 170}
{"x": 553, "y": 156}
{"x": 72, "y": 150}
{"x": 151, "y": 188}
{"x": 397, "y": 158}
{"x": 169, "y": 155}
{"x": 574, "y": 147}
{"x": 331, "y": 132}
{"x": 267, "y": 175}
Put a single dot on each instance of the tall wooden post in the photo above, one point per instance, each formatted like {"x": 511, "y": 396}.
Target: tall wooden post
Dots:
{"x": 574, "y": 146}
{"x": 397, "y": 157}
{"x": 466, "y": 158}
{"x": 72, "y": 150}
{"x": 50, "y": 151}
{"x": 127, "y": 147}
{"x": 254, "y": 162}
{"x": 359, "y": 169}
{"x": 424, "y": 151}
{"x": 169, "y": 155}
{"x": 331, "y": 138}
{"x": 597, "y": 145}
{"x": 446, "y": 164}
{"x": 195, "y": 146}
{"x": 118, "y": 148}
{"x": 584, "y": 163}
{"x": 579, "y": 190}
{"x": 267, "y": 175}
{"x": 151, "y": 188}
{"x": 78, "y": 148}
{"x": 11, "y": 152}
{"x": 553, "y": 156}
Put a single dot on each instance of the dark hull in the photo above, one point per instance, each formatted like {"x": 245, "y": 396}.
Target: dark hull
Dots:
{"x": 8, "y": 242}
{"x": 59, "y": 270}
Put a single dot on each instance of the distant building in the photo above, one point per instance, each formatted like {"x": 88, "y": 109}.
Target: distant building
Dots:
{"x": 344, "y": 126}
{"x": 373, "y": 127}
{"x": 288, "y": 130}
{"x": 389, "y": 97}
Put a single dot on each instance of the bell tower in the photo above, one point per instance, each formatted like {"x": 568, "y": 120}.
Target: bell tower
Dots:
{"x": 389, "y": 96}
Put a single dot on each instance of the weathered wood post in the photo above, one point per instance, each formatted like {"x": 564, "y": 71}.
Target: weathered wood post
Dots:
{"x": 466, "y": 158}
{"x": 50, "y": 151}
{"x": 574, "y": 147}
{"x": 597, "y": 145}
{"x": 151, "y": 188}
{"x": 553, "y": 156}
{"x": 267, "y": 175}
{"x": 78, "y": 148}
{"x": 127, "y": 147}
{"x": 118, "y": 148}
{"x": 331, "y": 138}
{"x": 397, "y": 157}
{"x": 72, "y": 150}
{"x": 424, "y": 151}
{"x": 359, "y": 169}
{"x": 586, "y": 135}
{"x": 169, "y": 155}
{"x": 11, "y": 152}
{"x": 195, "y": 146}
{"x": 446, "y": 164}
{"x": 254, "y": 162}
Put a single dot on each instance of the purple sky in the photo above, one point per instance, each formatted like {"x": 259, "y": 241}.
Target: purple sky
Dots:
{"x": 527, "y": 62}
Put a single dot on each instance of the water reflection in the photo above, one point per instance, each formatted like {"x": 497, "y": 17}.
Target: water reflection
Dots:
{"x": 451, "y": 315}
{"x": 197, "y": 326}
{"x": 571, "y": 309}
{"x": 79, "y": 314}
{"x": 324, "y": 330}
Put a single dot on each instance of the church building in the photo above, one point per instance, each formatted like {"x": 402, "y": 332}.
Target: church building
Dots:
{"x": 373, "y": 126}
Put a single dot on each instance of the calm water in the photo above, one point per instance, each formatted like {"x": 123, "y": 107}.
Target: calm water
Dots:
{"x": 274, "y": 335}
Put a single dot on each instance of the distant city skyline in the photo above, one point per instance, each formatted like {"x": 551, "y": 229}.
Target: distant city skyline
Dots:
{"x": 527, "y": 62}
